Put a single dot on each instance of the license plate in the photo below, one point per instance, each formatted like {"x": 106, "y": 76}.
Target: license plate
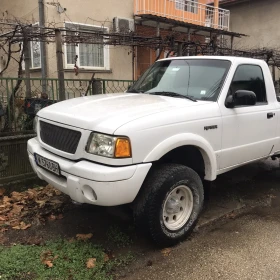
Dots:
{"x": 47, "y": 164}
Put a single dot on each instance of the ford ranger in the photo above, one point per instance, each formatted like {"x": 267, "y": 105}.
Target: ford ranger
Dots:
{"x": 184, "y": 122}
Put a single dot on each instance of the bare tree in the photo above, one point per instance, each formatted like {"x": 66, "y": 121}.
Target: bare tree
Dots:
{"x": 17, "y": 56}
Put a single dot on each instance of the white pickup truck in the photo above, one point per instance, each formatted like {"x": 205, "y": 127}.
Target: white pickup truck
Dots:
{"x": 185, "y": 121}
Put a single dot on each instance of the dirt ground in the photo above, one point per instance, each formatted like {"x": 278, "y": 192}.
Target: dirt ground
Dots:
{"x": 232, "y": 196}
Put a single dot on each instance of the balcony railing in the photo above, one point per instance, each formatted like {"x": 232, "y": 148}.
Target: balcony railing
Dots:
{"x": 189, "y": 11}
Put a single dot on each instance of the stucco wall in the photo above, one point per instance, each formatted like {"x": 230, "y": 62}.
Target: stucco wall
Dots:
{"x": 260, "y": 20}
{"x": 100, "y": 13}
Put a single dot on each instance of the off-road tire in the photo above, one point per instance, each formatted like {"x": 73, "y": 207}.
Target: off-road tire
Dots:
{"x": 148, "y": 206}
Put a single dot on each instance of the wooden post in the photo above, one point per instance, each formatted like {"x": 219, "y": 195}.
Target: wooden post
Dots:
{"x": 180, "y": 49}
{"x": 216, "y": 13}
{"x": 189, "y": 40}
{"x": 158, "y": 34}
{"x": 59, "y": 60}
{"x": 133, "y": 62}
{"x": 26, "y": 53}
{"x": 231, "y": 44}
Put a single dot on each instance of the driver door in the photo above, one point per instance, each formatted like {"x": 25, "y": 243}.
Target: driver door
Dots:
{"x": 249, "y": 132}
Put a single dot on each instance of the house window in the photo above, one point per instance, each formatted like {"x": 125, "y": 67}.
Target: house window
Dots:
{"x": 34, "y": 53}
{"x": 187, "y": 5}
{"x": 89, "y": 56}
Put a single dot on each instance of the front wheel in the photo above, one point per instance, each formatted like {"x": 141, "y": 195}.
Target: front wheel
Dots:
{"x": 169, "y": 203}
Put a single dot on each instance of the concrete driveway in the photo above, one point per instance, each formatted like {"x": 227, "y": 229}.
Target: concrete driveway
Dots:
{"x": 242, "y": 244}
{"x": 244, "y": 248}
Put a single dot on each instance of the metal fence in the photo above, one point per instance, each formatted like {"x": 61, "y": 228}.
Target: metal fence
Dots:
{"x": 21, "y": 99}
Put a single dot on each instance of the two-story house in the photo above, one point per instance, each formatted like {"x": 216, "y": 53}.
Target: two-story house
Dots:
{"x": 258, "y": 19}
{"x": 191, "y": 19}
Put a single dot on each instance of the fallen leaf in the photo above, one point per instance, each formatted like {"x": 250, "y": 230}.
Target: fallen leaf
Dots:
{"x": 47, "y": 258}
{"x": 106, "y": 258}
{"x": 14, "y": 222}
{"x": 31, "y": 193}
{"x": 16, "y": 196}
{"x": 37, "y": 203}
{"x": 57, "y": 192}
{"x": 56, "y": 201}
{"x": 16, "y": 209}
{"x": 6, "y": 200}
{"x": 16, "y": 227}
{"x": 2, "y": 191}
{"x": 22, "y": 226}
{"x": 166, "y": 252}
{"x": 52, "y": 217}
{"x": 84, "y": 237}
{"x": 2, "y": 219}
{"x": 41, "y": 203}
{"x": 48, "y": 263}
{"x": 91, "y": 263}
{"x": 3, "y": 229}
{"x": 149, "y": 263}
{"x": 71, "y": 240}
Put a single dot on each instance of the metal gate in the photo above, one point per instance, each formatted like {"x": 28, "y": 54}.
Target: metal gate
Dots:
{"x": 14, "y": 162}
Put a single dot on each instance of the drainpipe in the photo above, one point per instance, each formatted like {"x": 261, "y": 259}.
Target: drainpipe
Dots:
{"x": 43, "y": 46}
{"x": 216, "y": 13}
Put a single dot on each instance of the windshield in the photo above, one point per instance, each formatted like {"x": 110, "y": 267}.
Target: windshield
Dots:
{"x": 200, "y": 79}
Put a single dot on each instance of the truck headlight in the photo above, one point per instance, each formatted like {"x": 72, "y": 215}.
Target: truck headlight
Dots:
{"x": 35, "y": 124}
{"x": 109, "y": 146}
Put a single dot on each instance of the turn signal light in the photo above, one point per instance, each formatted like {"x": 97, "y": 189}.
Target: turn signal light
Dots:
{"x": 123, "y": 148}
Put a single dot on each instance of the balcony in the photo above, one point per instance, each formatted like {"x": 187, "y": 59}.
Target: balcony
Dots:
{"x": 188, "y": 11}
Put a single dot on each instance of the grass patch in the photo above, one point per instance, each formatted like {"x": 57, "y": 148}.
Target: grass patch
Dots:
{"x": 118, "y": 237}
{"x": 58, "y": 260}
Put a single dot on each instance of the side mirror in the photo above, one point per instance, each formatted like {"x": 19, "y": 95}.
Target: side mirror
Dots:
{"x": 241, "y": 98}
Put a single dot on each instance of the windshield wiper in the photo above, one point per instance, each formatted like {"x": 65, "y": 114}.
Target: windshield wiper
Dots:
{"x": 172, "y": 94}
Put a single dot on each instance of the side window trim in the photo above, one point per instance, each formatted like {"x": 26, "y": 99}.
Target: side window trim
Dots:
{"x": 258, "y": 103}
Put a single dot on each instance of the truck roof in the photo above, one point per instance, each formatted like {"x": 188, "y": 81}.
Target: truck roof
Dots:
{"x": 230, "y": 58}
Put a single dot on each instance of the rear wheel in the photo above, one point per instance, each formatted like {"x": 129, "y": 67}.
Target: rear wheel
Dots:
{"x": 169, "y": 203}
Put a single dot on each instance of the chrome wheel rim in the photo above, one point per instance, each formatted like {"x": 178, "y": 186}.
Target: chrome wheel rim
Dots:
{"x": 177, "y": 207}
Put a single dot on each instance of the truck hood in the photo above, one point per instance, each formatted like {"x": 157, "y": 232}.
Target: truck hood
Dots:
{"x": 107, "y": 112}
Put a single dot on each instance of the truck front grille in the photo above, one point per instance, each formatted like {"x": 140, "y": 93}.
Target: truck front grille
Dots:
{"x": 61, "y": 138}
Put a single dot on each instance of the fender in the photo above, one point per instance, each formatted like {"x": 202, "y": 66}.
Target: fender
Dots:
{"x": 188, "y": 139}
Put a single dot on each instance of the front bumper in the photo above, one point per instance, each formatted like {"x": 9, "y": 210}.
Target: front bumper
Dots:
{"x": 88, "y": 182}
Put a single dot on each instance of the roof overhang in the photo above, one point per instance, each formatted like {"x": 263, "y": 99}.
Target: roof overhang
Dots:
{"x": 226, "y": 3}
{"x": 181, "y": 26}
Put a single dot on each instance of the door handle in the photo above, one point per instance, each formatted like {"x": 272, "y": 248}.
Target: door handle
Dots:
{"x": 270, "y": 115}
